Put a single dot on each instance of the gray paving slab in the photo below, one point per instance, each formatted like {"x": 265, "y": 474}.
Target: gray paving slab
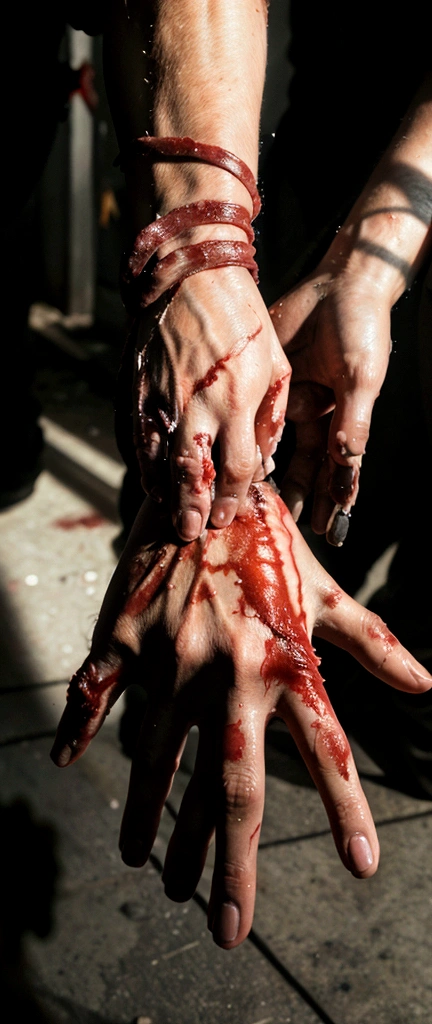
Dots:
{"x": 293, "y": 807}
{"x": 364, "y": 949}
{"x": 56, "y": 560}
{"x": 361, "y": 949}
{"x": 119, "y": 948}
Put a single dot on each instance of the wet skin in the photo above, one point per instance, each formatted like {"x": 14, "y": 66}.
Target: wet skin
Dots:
{"x": 218, "y": 633}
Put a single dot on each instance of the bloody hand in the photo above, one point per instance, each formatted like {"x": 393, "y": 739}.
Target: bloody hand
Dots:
{"x": 336, "y": 334}
{"x": 209, "y": 373}
{"x": 211, "y": 385}
{"x": 217, "y": 632}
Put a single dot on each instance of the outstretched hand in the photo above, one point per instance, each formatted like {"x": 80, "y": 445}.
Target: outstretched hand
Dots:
{"x": 218, "y": 634}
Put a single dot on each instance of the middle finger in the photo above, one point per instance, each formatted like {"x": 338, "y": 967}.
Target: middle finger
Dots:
{"x": 239, "y": 816}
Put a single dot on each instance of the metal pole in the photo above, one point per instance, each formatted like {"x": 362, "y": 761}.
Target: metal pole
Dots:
{"x": 82, "y": 255}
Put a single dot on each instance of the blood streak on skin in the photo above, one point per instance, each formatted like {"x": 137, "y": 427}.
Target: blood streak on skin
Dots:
{"x": 87, "y": 688}
{"x": 154, "y": 576}
{"x": 202, "y": 593}
{"x": 213, "y": 373}
{"x": 378, "y": 631}
{"x": 332, "y": 598}
{"x": 203, "y": 441}
{"x": 89, "y": 521}
{"x": 273, "y": 423}
{"x": 255, "y": 560}
{"x": 336, "y": 745}
{"x": 289, "y": 657}
{"x": 234, "y": 742}
{"x": 254, "y": 833}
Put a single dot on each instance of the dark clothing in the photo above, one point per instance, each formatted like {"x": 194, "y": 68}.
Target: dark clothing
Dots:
{"x": 354, "y": 80}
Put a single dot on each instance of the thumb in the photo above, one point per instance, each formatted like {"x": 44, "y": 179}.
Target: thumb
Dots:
{"x": 92, "y": 692}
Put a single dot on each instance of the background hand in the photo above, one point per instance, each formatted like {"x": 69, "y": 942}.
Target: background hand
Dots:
{"x": 335, "y": 330}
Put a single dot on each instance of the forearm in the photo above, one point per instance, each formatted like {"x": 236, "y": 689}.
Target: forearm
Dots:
{"x": 201, "y": 75}
{"x": 388, "y": 231}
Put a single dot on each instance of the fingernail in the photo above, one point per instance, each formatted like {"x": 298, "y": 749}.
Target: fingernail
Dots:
{"x": 223, "y": 514}
{"x": 226, "y": 923}
{"x": 338, "y": 529}
{"x": 296, "y": 510}
{"x": 189, "y": 524}
{"x": 133, "y": 853}
{"x": 269, "y": 466}
{"x": 62, "y": 753}
{"x": 294, "y": 499}
{"x": 360, "y": 853}
{"x": 420, "y": 677}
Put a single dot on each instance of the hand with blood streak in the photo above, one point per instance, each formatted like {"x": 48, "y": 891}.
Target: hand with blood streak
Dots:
{"x": 335, "y": 325}
{"x": 211, "y": 366}
{"x": 218, "y": 633}
{"x": 337, "y": 338}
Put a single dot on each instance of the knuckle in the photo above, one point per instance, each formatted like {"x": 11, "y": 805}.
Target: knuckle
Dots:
{"x": 240, "y": 790}
{"x": 348, "y": 809}
{"x": 360, "y": 430}
{"x": 234, "y": 876}
{"x": 372, "y": 625}
{"x": 190, "y": 647}
{"x": 159, "y": 765}
{"x": 239, "y": 470}
{"x": 284, "y": 374}
{"x": 376, "y": 629}
{"x": 331, "y": 750}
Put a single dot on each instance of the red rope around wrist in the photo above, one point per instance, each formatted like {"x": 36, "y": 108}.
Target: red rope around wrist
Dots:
{"x": 142, "y": 285}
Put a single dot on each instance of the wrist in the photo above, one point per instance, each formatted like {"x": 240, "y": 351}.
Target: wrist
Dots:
{"x": 183, "y": 208}
{"x": 176, "y": 184}
{"x": 380, "y": 247}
